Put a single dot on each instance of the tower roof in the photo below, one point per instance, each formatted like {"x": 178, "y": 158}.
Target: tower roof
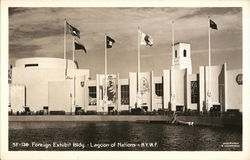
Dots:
{"x": 181, "y": 43}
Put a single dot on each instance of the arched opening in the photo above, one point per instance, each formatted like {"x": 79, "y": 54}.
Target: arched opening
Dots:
{"x": 184, "y": 53}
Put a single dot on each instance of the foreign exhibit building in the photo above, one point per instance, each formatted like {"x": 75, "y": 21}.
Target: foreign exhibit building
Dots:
{"x": 48, "y": 85}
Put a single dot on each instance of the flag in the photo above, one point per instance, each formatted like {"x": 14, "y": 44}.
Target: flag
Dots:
{"x": 213, "y": 25}
{"x": 72, "y": 30}
{"x": 109, "y": 42}
{"x": 146, "y": 39}
{"x": 79, "y": 46}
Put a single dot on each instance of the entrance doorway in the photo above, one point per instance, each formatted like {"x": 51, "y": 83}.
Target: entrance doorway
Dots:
{"x": 145, "y": 108}
{"x": 179, "y": 108}
{"x": 45, "y": 110}
{"x": 78, "y": 110}
{"x": 110, "y": 109}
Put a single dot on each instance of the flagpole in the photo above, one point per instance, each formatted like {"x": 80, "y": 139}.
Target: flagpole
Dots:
{"x": 117, "y": 90}
{"x": 209, "y": 63}
{"x": 105, "y": 40}
{"x": 73, "y": 74}
{"x": 172, "y": 97}
{"x": 106, "y": 69}
{"x": 64, "y": 48}
{"x": 173, "y": 43}
{"x": 139, "y": 67}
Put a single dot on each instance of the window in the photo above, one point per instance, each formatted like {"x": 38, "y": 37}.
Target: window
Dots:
{"x": 125, "y": 94}
{"x": 159, "y": 89}
{"x": 194, "y": 92}
{"x": 92, "y": 95}
{"x": 184, "y": 53}
{"x": 175, "y": 53}
{"x": 31, "y": 65}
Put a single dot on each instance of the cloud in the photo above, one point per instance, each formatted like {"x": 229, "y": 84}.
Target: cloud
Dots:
{"x": 217, "y": 50}
{"x": 22, "y": 51}
{"x": 36, "y": 32}
{"x": 208, "y": 11}
{"x": 39, "y": 32}
{"x": 15, "y": 10}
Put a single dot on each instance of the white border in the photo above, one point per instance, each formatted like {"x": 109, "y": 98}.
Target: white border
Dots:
{"x": 5, "y": 154}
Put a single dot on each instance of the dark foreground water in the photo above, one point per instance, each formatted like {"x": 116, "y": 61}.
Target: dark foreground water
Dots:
{"x": 83, "y": 136}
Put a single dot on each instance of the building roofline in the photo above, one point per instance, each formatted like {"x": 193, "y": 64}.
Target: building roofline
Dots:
{"x": 181, "y": 43}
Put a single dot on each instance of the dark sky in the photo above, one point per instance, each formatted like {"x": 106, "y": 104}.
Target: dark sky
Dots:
{"x": 38, "y": 32}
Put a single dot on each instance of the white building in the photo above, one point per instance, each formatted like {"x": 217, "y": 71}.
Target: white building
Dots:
{"x": 47, "y": 84}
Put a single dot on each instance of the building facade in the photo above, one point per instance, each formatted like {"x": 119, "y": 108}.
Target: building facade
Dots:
{"x": 52, "y": 84}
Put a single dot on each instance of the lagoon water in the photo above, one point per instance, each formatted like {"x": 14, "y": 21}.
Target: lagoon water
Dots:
{"x": 121, "y": 136}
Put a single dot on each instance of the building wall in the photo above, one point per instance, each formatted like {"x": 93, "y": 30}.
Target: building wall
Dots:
{"x": 44, "y": 62}
{"x": 152, "y": 92}
{"x": 60, "y": 97}
{"x": 178, "y": 84}
{"x": 217, "y": 78}
{"x": 215, "y": 72}
{"x": 166, "y": 89}
{"x": 47, "y": 85}
{"x": 110, "y": 89}
{"x": 181, "y": 61}
{"x": 234, "y": 94}
{"x": 81, "y": 91}
{"x": 61, "y": 94}
{"x": 222, "y": 88}
{"x": 17, "y": 97}
{"x": 36, "y": 79}
{"x": 100, "y": 86}
{"x": 36, "y": 83}
{"x": 132, "y": 89}
{"x": 202, "y": 92}
{"x": 145, "y": 86}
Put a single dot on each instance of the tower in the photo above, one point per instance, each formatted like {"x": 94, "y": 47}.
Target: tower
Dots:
{"x": 182, "y": 57}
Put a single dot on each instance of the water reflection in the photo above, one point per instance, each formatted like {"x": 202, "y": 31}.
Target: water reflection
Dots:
{"x": 167, "y": 137}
